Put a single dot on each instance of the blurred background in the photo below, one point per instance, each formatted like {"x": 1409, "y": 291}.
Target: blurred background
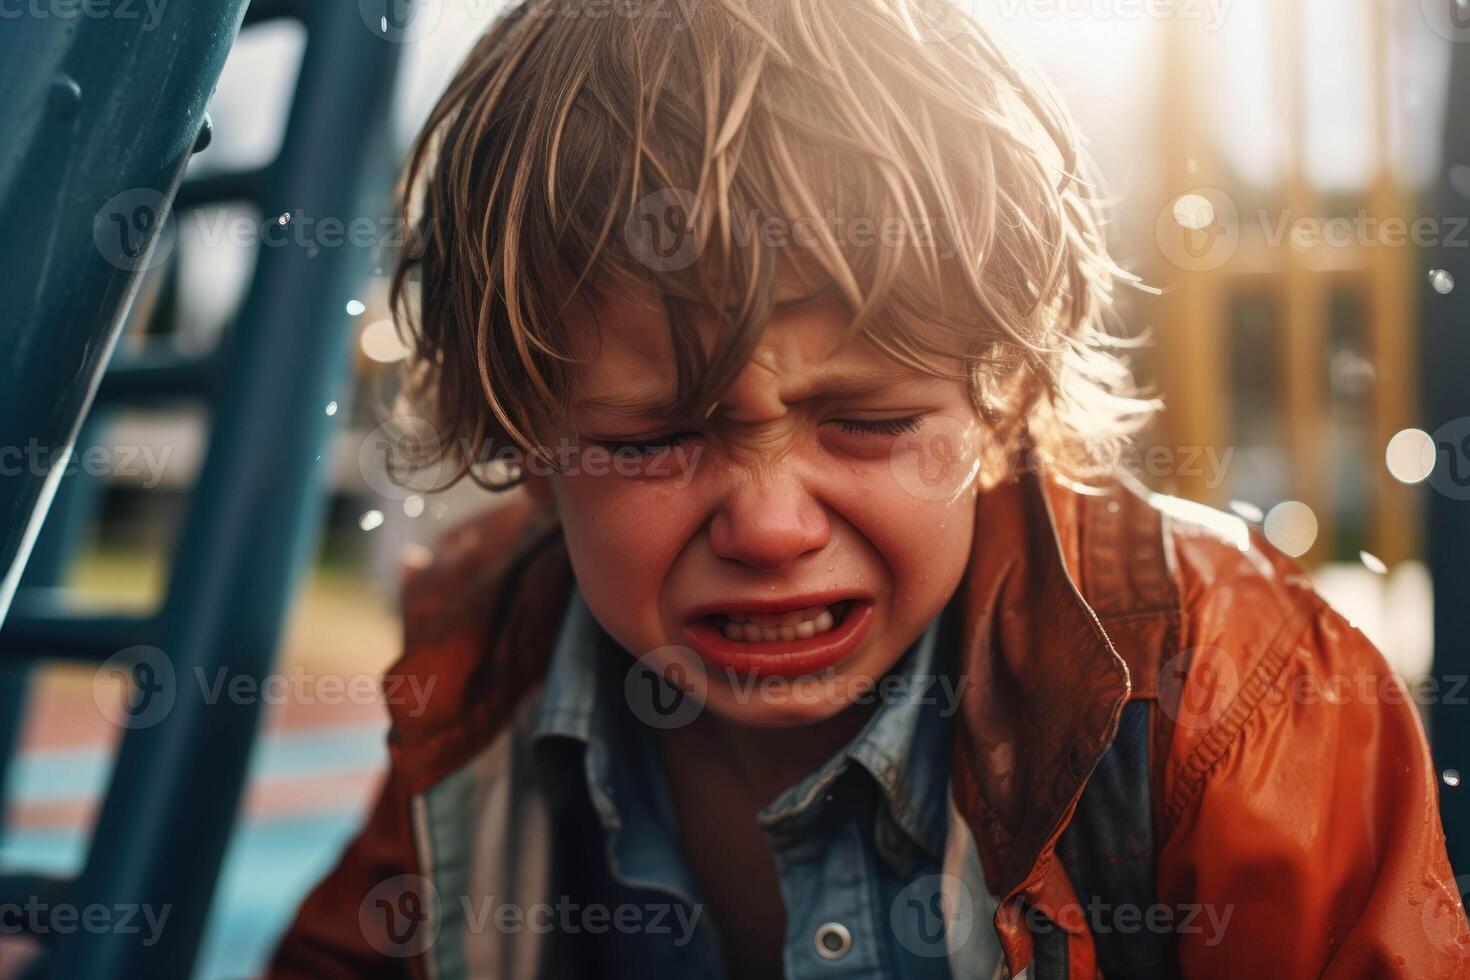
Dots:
{"x": 1287, "y": 180}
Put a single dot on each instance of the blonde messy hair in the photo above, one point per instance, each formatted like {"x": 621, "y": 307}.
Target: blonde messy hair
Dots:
{"x": 573, "y": 128}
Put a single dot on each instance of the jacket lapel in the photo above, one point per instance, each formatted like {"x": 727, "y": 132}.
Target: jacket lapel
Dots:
{"x": 1043, "y": 692}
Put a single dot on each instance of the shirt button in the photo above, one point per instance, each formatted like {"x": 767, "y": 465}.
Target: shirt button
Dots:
{"x": 833, "y": 941}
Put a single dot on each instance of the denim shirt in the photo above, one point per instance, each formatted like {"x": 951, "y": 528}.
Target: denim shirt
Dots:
{"x": 858, "y": 843}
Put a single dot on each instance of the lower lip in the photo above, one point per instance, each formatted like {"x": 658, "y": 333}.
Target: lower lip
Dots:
{"x": 782, "y": 658}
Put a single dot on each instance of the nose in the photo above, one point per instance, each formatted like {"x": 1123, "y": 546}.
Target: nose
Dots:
{"x": 768, "y": 522}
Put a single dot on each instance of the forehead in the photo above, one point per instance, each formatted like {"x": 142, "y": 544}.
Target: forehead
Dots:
{"x": 628, "y": 321}
{"x": 626, "y": 357}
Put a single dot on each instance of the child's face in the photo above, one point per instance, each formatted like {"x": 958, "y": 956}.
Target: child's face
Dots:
{"x": 828, "y": 475}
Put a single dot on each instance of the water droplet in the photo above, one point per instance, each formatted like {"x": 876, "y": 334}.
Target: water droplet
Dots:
{"x": 370, "y": 519}
{"x": 1451, "y": 777}
{"x": 1292, "y": 526}
{"x": 1442, "y": 282}
{"x": 413, "y": 506}
{"x": 355, "y": 307}
{"x": 383, "y": 24}
{"x": 381, "y": 343}
{"x": 1410, "y": 455}
{"x": 65, "y": 95}
{"x": 285, "y": 218}
{"x": 331, "y": 408}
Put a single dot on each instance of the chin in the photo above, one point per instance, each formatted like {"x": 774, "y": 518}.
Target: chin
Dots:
{"x": 787, "y": 702}
{"x": 789, "y": 715}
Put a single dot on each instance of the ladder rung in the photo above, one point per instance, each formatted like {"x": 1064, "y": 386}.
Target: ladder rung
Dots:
{"x": 242, "y": 185}
{"x": 155, "y": 376}
{"x": 39, "y": 627}
{"x": 262, "y": 10}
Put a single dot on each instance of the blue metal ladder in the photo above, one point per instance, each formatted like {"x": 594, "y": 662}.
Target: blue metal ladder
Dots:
{"x": 256, "y": 509}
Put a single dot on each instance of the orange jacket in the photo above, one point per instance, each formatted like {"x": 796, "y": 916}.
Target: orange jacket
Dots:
{"x": 1291, "y": 786}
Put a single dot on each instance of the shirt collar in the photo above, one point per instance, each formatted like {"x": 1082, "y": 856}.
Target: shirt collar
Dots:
{"x": 570, "y": 705}
{"x": 582, "y": 702}
{"x": 904, "y": 746}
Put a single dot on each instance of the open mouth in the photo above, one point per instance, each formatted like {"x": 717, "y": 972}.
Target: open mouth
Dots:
{"x": 800, "y": 624}
{"x": 788, "y": 642}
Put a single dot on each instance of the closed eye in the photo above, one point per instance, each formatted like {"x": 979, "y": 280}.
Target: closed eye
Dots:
{"x": 649, "y": 447}
{"x": 880, "y": 427}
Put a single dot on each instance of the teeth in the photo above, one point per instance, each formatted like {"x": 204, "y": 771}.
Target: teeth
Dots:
{"x": 799, "y": 625}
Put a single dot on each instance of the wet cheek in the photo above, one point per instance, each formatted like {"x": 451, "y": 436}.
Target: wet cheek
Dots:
{"x": 924, "y": 543}
{"x": 623, "y": 538}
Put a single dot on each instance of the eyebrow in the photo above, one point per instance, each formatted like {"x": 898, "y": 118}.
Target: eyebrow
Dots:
{"x": 638, "y": 403}
{"x": 657, "y": 403}
{"x": 859, "y": 385}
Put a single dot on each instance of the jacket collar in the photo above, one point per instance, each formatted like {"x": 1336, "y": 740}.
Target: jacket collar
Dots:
{"x": 1045, "y": 688}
